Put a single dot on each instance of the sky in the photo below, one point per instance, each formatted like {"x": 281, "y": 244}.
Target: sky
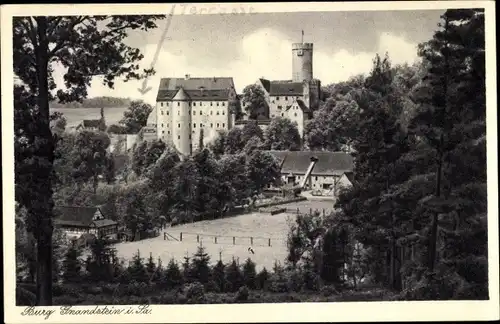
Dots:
{"x": 249, "y": 46}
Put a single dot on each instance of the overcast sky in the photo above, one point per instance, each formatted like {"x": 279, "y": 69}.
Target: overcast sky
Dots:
{"x": 250, "y": 46}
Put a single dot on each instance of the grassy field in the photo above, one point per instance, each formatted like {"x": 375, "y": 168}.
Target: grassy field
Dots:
{"x": 75, "y": 115}
{"x": 260, "y": 226}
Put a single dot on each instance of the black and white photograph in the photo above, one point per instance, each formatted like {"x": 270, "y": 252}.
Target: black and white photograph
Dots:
{"x": 233, "y": 154}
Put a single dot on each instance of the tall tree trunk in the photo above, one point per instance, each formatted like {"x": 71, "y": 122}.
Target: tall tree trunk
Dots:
{"x": 45, "y": 151}
{"x": 434, "y": 225}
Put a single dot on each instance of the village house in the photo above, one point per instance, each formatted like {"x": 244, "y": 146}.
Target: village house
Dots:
{"x": 88, "y": 125}
{"x": 328, "y": 173}
{"x": 77, "y": 221}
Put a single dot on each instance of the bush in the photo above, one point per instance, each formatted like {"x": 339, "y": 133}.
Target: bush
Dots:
{"x": 329, "y": 290}
{"x": 195, "y": 292}
{"x": 242, "y": 294}
{"x": 24, "y": 297}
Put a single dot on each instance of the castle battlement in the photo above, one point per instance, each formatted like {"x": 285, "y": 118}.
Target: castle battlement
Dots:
{"x": 302, "y": 46}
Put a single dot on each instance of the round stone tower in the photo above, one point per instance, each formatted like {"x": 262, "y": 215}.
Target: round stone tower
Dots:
{"x": 302, "y": 62}
{"x": 181, "y": 122}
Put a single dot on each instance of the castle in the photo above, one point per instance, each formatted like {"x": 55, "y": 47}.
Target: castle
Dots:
{"x": 189, "y": 110}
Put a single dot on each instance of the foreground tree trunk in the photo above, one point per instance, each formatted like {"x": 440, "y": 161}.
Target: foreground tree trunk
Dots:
{"x": 45, "y": 152}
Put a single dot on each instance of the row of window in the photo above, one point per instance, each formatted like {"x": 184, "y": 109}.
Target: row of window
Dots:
{"x": 201, "y": 125}
{"x": 223, "y": 104}
{"x": 286, "y": 98}
{"x": 283, "y": 115}
{"x": 194, "y": 126}
{"x": 194, "y": 112}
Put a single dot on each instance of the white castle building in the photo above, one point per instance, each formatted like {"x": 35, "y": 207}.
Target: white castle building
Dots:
{"x": 188, "y": 109}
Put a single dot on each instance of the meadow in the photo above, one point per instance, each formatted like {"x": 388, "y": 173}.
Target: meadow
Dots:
{"x": 75, "y": 115}
{"x": 259, "y": 226}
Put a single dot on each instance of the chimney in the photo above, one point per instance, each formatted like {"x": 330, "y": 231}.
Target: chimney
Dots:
{"x": 187, "y": 76}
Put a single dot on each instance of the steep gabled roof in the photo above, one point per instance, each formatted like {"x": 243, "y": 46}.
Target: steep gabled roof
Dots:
{"x": 329, "y": 163}
{"x": 266, "y": 84}
{"x": 216, "y": 88}
{"x": 284, "y": 88}
{"x": 78, "y": 216}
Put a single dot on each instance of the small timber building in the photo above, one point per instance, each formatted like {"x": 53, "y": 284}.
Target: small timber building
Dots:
{"x": 77, "y": 221}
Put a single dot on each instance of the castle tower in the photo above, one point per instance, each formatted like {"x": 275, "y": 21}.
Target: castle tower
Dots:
{"x": 302, "y": 61}
{"x": 181, "y": 122}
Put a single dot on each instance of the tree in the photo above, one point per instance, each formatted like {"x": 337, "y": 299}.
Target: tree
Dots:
{"x": 263, "y": 279}
{"x": 201, "y": 144}
{"x": 234, "y": 277}
{"x": 102, "y": 121}
{"x": 250, "y": 130}
{"x": 218, "y": 276}
{"x": 254, "y": 101}
{"x": 261, "y": 170}
{"x": 137, "y": 270}
{"x": 200, "y": 269}
{"x": 249, "y": 274}
{"x": 173, "y": 275}
{"x": 91, "y": 157}
{"x": 218, "y": 145}
{"x": 450, "y": 121}
{"x": 58, "y": 123}
{"x": 208, "y": 181}
{"x": 253, "y": 144}
{"x": 282, "y": 134}
{"x": 79, "y": 45}
{"x": 234, "y": 105}
{"x": 333, "y": 126}
{"x": 136, "y": 117}
{"x": 135, "y": 214}
{"x": 233, "y": 172}
{"x": 71, "y": 265}
{"x": 233, "y": 142}
{"x": 145, "y": 155}
{"x": 117, "y": 129}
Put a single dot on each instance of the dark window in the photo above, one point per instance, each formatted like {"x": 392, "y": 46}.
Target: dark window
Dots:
{"x": 217, "y": 104}
{"x": 211, "y": 103}
{"x": 167, "y": 104}
{"x": 179, "y": 125}
{"x": 178, "y": 136}
{"x": 201, "y": 112}
{"x": 161, "y": 125}
{"x": 211, "y": 112}
{"x": 286, "y": 98}
{"x": 223, "y": 125}
{"x": 161, "y": 104}
{"x": 217, "y": 112}
{"x": 189, "y": 136}
{"x": 211, "y": 125}
{"x": 194, "y": 103}
{"x": 162, "y": 112}
{"x": 277, "y": 98}
{"x": 223, "y": 112}
{"x": 168, "y": 132}
{"x": 194, "y": 112}
{"x": 194, "y": 125}
{"x": 178, "y": 103}
{"x": 295, "y": 114}
{"x": 168, "y": 113}
{"x": 217, "y": 125}
{"x": 163, "y": 132}
{"x": 223, "y": 104}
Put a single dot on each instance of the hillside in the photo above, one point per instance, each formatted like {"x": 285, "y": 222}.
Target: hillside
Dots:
{"x": 96, "y": 102}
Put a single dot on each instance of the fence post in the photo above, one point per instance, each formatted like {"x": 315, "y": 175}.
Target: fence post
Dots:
{"x": 323, "y": 212}
{"x": 310, "y": 211}
{"x": 180, "y": 237}
{"x": 269, "y": 242}
{"x": 234, "y": 240}
{"x": 251, "y": 240}
{"x": 164, "y": 236}
{"x": 215, "y": 237}
{"x": 297, "y": 211}
{"x": 198, "y": 238}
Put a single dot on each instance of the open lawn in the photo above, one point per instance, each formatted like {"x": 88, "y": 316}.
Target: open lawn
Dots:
{"x": 75, "y": 115}
{"x": 259, "y": 226}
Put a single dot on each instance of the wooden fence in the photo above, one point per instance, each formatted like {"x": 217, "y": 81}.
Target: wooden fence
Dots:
{"x": 223, "y": 239}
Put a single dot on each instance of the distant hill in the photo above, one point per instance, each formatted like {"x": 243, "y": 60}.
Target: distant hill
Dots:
{"x": 96, "y": 102}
